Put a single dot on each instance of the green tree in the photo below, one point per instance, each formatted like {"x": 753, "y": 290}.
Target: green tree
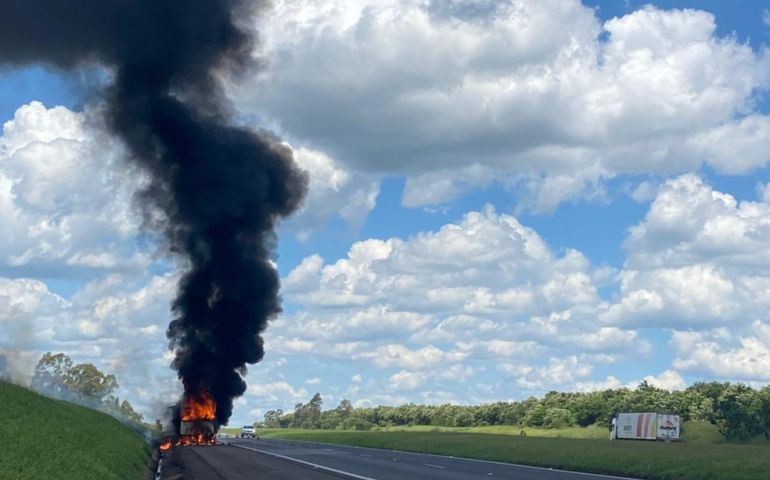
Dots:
{"x": 535, "y": 417}
{"x": 273, "y": 418}
{"x": 52, "y": 374}
{"x": 313, "y": 418}
{"x": 128, "y": 412}
{"x": 739, "y": 408}
{"x": 558, "y": 418}
{"x": 91, "y": 384}
{"x": 344, "y": 408}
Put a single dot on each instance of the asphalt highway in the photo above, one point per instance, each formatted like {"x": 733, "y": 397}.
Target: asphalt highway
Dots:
{"x": 275, "y": 459}
{"x": 230, "y": 463}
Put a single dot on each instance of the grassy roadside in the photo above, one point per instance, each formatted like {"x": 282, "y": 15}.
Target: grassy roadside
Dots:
{"x": 693, "y": 460}
{"x": 569, "y": 432}
{"x": 44, "y": 438}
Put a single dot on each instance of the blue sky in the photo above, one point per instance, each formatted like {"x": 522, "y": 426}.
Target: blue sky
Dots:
{"x": 583, "y": 217}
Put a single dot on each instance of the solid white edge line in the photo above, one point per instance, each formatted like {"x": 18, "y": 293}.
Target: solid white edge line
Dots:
{"x": 159, "y": 471}
{"x": 531, "y": 467}
{"x": 320, "y": 467}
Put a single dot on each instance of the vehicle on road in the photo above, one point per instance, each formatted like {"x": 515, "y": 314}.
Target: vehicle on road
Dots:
{"x": 247, "y": 431}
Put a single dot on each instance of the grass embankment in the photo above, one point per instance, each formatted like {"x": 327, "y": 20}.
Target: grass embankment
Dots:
{"x": 698, "y": 457}
{"x": 44, "y": 438}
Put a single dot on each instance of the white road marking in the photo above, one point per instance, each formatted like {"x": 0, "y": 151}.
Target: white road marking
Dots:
{"x": 303, "y": 462}
{"x": 432, "y": 466}
{"x": 365, "y": 455}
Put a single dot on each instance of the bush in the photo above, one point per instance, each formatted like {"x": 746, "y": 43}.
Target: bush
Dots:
{"x": 353, "y": 423}
{"x": 558, "y": 418}
{"x": 535, "y": 417}
{"x": 464, "y": 419}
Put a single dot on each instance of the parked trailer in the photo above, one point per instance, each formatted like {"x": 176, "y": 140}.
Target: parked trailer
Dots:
{"x": 646, "y": 426}
{"x": 669, "y": 427}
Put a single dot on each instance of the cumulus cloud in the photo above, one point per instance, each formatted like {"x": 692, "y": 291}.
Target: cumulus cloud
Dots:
{"x": 456, "y": 94}
{"x": 724, "y": 354}
{"x": 445, "y": 305}
{"x": 405, "y": 380}
{"x": 485, "y": 263}
{"x": 668, "y": 380}
{"x": 333, "y": 191}
{"x": 699, "y": 258}
{"x": 65, "y": 195}
{"x": 280, "y": 392}
{"x": 558, "y": 374}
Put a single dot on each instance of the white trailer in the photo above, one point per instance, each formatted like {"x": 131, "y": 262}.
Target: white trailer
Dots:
{"x": 646, "y": 426}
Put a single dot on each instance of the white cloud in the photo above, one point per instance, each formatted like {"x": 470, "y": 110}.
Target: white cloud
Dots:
{"x": 280, "y": 392}
{"x": 333, "y": 191}
{"x": 668, "y": 380}
{"x": 486, "y": 262}
{"x": 457, "y": 373}
{"x": 560, "y": 374}
{"x": 447, "y": 303}
{"x": 29, "y": 313}
{"x": 400, "y": 356}
{"x": 724, "y": 354}
{"x": 55, "y": 216}
{"x": 405, "y": 380}
{"x": 454, "y": 96}
{"x": 610, "y": 382}
{"x": 644, "y": 192}
{"x": 699, "y": 258}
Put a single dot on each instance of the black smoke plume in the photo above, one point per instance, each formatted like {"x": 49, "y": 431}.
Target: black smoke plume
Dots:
{"x": 221, "y": 188}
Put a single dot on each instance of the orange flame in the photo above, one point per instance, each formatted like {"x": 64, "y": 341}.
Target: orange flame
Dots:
{"x": 199, "y": 407}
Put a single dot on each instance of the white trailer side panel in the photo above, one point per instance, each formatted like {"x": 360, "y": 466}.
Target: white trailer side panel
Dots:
{"x": 637, "y": 426}
{"x": 668, "y": 427}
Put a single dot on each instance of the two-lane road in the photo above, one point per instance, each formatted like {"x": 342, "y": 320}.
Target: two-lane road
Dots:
{"x": 282, "y": 459}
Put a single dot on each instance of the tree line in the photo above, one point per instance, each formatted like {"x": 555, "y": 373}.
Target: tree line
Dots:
{"x": 739, "y": 411}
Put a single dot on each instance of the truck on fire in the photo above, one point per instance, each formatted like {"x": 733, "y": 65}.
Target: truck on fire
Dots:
{"x": 645, "y": 426}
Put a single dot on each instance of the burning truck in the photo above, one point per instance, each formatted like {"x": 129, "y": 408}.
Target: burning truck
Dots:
{"x": 197, "y": 422}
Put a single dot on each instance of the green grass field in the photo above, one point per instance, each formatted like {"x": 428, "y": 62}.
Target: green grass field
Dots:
{"x": 42, "y": 438}
{"x": 571, "y": 432}
{"x": 701, "y": 456}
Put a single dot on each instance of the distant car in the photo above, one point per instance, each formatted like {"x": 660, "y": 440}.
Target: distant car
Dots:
{"x": 247, "y": 431}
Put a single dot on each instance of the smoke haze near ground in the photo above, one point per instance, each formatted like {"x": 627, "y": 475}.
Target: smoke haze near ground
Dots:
{"x": 216, "y": 190}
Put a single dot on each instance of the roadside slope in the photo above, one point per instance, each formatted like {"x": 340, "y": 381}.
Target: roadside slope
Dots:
{"x": 44, "y": 438}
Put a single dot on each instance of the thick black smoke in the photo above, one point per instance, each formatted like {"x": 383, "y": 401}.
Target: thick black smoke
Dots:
{"x": 220, "y": 187}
